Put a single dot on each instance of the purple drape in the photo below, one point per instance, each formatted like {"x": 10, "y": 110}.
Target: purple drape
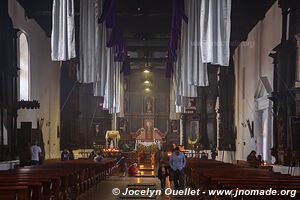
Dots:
{"x": 109, "y": 13}
{"x": 177, "y": 16}
{"x": 126, "y": 66}
{"x": 116, "y": 39}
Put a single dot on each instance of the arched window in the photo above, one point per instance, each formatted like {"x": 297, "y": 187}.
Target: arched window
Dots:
{"x": 23, "y": 61}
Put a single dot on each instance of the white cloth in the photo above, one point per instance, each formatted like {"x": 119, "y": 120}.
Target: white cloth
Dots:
{"x": 215, "y": 30}
{"x": 194, "y": 67}
{"x": 35, "y": 151}
{"x": 205, "y": 39}
{"x": 97, "y": 63}
{"x": 183, "y": 89}
{"x": 112, "y": 90}
{"x": 63, "y": 30}
{"x": 93, "y": 51}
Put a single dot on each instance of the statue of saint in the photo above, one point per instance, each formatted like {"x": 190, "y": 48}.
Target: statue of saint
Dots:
{"x": 148, "y": 105}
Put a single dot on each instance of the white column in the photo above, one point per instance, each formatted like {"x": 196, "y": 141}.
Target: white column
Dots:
{"x": 270, "y": 123}
{"x": 259, "y": 130}
{"x": 266, "y": 135}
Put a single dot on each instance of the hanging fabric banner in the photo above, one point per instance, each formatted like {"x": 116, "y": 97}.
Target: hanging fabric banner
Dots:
{"x": 215, "y": 23}
{"x": 63, "y": 30}
{"x": 192, "y": 61}
{"x": 203, "y": 40}
{"x": 177, "y": 17}
{"x": 94, "y": 54}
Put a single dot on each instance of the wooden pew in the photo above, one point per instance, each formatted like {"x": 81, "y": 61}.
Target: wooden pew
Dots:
{"x": 208, "y": 174}
{"x": 35, "y": 188}
{"x": 14, "y": 193}
{"x": 60, "y": 180}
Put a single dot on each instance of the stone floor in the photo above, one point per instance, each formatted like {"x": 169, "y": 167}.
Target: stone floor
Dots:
{"x": 105, "y": 189}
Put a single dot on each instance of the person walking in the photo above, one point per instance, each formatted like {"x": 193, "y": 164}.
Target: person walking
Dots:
{"x": 35, "y": 151}
{"x": 177, "y": 164}
{"x": 163, "y": 173}
{"x": 122, "y": 162}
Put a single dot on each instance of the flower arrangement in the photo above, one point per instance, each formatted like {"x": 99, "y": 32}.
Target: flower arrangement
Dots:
{"x": 151, "y": 149}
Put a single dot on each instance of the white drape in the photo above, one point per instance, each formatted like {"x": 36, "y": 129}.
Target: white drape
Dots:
{"x": 104, "y": 62}
{"x": 63, "y": 30}
{"x": 183, "y": 89}
{"x": 112, "y": 95}
{"x": 191, "y": 59}
{"x": 182, "y": 75}
{"x": 205, "y": 39}
{"x": 215, "y": 30}
{"x": 97, "y": 63}
{"x": 195, "y": 69}
{"x": 93, "y": 50}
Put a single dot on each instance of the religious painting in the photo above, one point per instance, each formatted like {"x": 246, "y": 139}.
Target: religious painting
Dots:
{"x": 174, "y": 128}
{"x": 148, "y": 105}
{"x": 123, "y": 125}
{"x": 98, "y": 128}
{"x": 149, "y": 128}
{"x": 193, "y": 133}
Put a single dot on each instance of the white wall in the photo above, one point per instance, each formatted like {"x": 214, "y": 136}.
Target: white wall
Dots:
{"x": 44, "y": 80}
{"x": 252, "y": 55}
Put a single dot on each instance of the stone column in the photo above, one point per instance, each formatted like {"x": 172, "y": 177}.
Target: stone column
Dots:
{"x": 297, "y": 72}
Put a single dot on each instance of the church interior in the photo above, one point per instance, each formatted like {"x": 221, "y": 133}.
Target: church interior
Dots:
{"x": 140, "y": 99}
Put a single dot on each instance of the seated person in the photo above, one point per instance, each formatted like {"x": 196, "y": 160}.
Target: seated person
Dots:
{"x": 92, "y": 155}
{"x": 64, "y": 155}
{"x": 251, "y": 159}
{"x": 71, "y": 155}
{"x": 98, "y": 157}
{"x": 133, "y": 170}
{"x": 203, "y": 156}
{"x": 259, "y": 160}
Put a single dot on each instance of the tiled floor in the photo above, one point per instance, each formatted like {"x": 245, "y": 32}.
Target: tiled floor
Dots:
{"x": 104, "y": 189}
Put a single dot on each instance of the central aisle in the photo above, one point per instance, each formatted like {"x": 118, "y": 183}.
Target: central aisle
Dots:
{"x": 104, "y": 189}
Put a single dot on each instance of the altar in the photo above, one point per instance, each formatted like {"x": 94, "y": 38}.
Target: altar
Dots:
{"x": 148, "y": 141}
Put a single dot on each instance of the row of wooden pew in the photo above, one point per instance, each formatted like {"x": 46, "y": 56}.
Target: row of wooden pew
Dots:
{"x": 214, "y": 175}
{"x": 61, "y": 180}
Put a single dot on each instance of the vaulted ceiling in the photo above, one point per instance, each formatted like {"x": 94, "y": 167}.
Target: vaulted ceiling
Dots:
{"x": 146, "y": 24}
